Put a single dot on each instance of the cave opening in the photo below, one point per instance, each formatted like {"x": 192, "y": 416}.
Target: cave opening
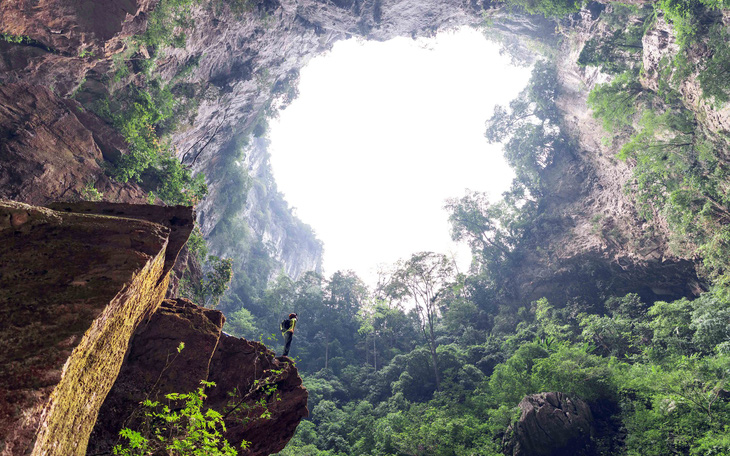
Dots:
{"x": 381, "y": 133}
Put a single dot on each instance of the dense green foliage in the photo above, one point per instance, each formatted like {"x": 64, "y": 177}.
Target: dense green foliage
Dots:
{"x": 660, "y": 371}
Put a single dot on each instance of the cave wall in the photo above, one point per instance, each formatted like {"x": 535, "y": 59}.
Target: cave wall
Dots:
{"x": 247, "y": 63}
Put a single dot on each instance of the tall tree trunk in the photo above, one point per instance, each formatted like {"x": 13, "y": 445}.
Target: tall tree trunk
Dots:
{"x": 375, "y": 355}
{"x": 326, "y": 353}
{"x": 434, "y": 359}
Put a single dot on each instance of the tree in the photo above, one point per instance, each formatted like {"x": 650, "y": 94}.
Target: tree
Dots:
{"x": 530, "y": 129}
{"x": 217, "y": 280}
{"x": 616, "y": 102}
{"x": 613, "y": 51}
{"x": 492, "y": 230}
{"x": 420, "y": 281}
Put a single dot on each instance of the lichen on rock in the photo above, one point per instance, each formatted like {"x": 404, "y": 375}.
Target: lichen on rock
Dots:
{"x": 73, "y": 287}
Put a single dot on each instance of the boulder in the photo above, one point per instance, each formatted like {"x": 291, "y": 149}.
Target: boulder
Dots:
{"x": 551, "y": 424}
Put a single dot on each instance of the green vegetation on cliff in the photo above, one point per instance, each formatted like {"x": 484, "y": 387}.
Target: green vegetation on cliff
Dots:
{"x": 680, "y": 165}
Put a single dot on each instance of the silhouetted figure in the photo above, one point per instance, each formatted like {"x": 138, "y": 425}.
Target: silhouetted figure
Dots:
{"x": 287, "y": 330}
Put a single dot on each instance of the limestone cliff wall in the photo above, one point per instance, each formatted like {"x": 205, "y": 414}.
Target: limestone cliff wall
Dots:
{"x": 265, "y": 216}
{"x": 593, "y": 242}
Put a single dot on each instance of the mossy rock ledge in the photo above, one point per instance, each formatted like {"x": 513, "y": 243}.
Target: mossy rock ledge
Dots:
{"x": 260, "y": 396}
{"x": 74, "y": 285}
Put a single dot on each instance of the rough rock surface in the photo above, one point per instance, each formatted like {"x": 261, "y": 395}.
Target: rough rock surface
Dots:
{"x": 179, "y": 219}
{"x": 551, "y": 424}
{"x": 50, "y": 149}
{"x": 69, "y": 39}
{"x": 154, "y": 368}
{"x": 73, "y": 287}
{"x": 660, "y": 43}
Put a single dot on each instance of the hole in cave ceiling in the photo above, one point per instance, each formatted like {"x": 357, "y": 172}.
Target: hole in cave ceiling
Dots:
{"x": 382, "y": 133}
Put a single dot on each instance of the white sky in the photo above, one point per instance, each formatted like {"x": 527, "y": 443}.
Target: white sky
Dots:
{"x": 381, "y": 134}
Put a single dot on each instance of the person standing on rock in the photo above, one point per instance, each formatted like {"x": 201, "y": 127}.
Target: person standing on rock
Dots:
{"x": 287, "y": 330}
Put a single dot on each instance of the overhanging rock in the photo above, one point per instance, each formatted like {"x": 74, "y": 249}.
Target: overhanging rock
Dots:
{"x": 73, "y": 288}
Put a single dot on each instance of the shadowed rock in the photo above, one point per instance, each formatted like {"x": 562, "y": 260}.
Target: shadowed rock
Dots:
{"x": 52, "y": 150}
{"x": 551, "y": 424}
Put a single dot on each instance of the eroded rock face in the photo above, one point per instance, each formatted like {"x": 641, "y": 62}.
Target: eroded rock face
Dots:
{"x": 73, "y": 288}
{"x": 551, "y": 424}
{"x": 51, "y": 149}
{"x": 250, "y": 368}
{"x": 179, "y": 219}
{"x": 69, "y": 39}
{"x": 154, "y": 367}
{"x": 660, "y": 45}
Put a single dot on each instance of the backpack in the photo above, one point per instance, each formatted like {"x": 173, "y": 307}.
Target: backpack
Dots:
{"x": 284, "y": 325}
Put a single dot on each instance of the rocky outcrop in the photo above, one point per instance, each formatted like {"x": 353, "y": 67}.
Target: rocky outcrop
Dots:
{"x": 551, "y": 424}
{"x": 248, "y": 380}
{"x": 660, "y": 46}
{"x": 73, "y": 287}
{"x": 76, "y": 283}
{"x": 52, "y": 150}
{"x": 178, "y": 219}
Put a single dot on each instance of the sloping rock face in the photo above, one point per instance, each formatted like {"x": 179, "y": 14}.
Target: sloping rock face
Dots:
{"x": 551, "y": 424}
{"x": 246, "y": 375}
{"x": 73, "y": 288}
{"x": 51, "y": 149}
{"x": 69, "y": 39}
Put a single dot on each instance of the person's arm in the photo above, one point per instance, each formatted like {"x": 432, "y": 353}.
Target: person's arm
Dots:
{"x": 293, "y": 324}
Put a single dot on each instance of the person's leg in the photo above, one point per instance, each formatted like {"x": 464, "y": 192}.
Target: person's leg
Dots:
{"x": 287, "y": 345}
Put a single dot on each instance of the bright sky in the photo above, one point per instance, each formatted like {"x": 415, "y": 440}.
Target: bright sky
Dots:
{"x": 382, "y": 134}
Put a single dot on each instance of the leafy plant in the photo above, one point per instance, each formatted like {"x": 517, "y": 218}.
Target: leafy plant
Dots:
{"x": 90, "y": 193}
{"x": 180, "y": 427}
